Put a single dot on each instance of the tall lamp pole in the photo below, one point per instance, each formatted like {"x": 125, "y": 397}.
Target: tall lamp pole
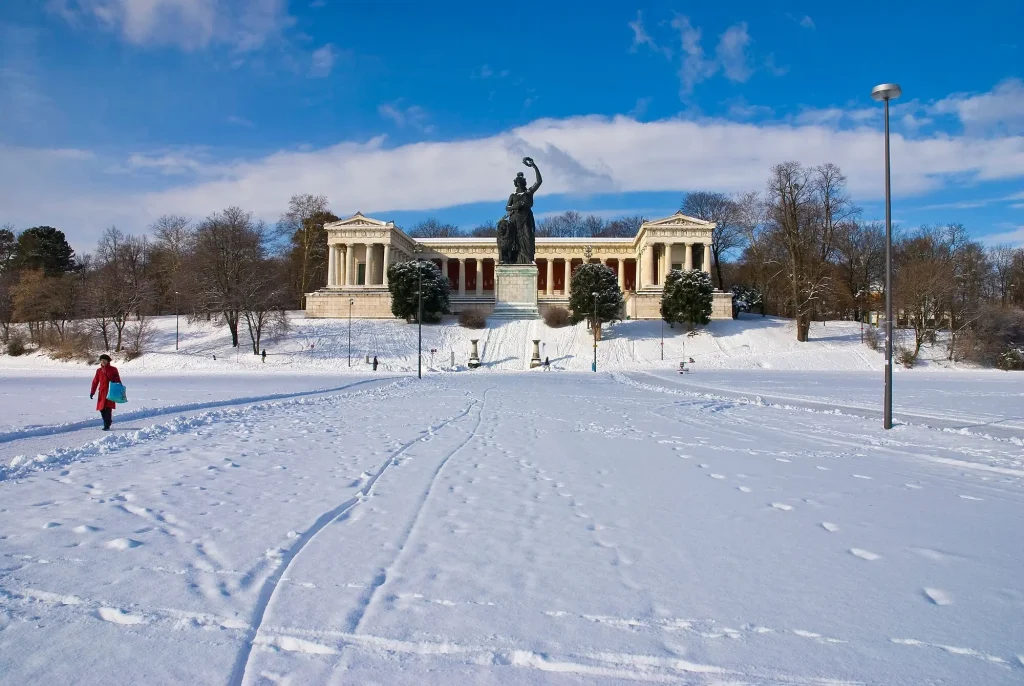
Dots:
{"x": 596, "y": 327}
{"x": 419, "y": 316}
{"x": 175, "y": 320}
{"x": 351, "y": 302}
{"x": 886, "y": 92}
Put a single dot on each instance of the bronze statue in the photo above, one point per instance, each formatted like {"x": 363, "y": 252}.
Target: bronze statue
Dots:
{"x": 517, "y": 229}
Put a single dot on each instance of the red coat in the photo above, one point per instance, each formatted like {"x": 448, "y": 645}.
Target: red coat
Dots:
{"x": 104, "y": 375}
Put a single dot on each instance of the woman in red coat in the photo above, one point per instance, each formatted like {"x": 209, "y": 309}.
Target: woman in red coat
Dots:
{"x": 106, "y": 374}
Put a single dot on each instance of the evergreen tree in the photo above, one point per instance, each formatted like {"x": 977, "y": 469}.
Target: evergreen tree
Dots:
{"x": 687, "y": 297}
{"x": 747, "y": 299}
{"x": 403, "y": 282}
{"x": 587, "y": 280}
{"x": 46, "y": 248}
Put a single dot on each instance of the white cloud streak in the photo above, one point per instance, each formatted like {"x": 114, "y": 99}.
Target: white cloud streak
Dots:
{"x": 322, "y": 61}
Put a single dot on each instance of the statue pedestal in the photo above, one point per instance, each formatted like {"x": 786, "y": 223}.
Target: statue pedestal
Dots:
{"x": 515, "y": 291}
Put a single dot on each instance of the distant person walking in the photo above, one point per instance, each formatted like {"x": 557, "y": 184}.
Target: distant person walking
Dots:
{"x": 547, "y": 365}
{"x": 374, "y": 363}
{"x": 264, "y": 355}
{"x": 105, "y": 375}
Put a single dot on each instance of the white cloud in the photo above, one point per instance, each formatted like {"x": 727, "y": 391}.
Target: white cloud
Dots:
{"x": 1014, "y": 237}
{"x": 322, "y": 61}
{"x": 1000, "y": 111}
{"x": 732, "y": 54}
{"x": 245, "y": 25}
{"x": 640, "y": 108}
{"x": 695, "y": 66}
{"x": 578, "y": 155}
{"x": 807, "y": 22}
{"x": 240, "y": 121}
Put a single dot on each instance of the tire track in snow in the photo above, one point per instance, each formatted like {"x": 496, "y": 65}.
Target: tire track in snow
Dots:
{"x": 55, "y": 429}
{"x": 270, "y": 585}
{"x": 382, "y": 579}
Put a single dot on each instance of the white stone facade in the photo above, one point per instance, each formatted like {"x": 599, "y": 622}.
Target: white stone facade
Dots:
{"x": 360, "y": 249}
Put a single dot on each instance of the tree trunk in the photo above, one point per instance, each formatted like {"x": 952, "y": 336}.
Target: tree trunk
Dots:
{"x": 803, "y": 327}
{"x": 718, "y": 272}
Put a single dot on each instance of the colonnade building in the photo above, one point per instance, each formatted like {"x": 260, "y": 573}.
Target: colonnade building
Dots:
{"x": 360, "y": 248}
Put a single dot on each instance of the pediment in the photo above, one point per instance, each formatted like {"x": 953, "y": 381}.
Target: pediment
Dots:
{"x": 358, "y": 221}
{"x": 679, "y": 219}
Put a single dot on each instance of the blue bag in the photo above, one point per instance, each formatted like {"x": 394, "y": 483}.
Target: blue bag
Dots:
{"x": 116, "y": 393}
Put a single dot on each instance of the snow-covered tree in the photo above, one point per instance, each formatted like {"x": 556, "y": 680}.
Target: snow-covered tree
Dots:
{"x": 747, "y": 299}
{"x": 587, "y": 280}
{"x": 403, "y": 282}
{"x": 687, "y": 297}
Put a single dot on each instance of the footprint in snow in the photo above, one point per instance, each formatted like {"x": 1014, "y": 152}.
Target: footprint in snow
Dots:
{"x": 829, "y": 526}
{"x": 861, "y": 476}
{"x": 717, "y": 476}
{"x": 116, "y": 616}
{"x": 864, "y": 554}
{"x": 970, "y": 497}
{"x": 938, "y": 596}
{"x": 123, "y": 543}
{"x": 744, "y": 489}
{"x": 782, "y": 459}
{"x": 782, "y": 506}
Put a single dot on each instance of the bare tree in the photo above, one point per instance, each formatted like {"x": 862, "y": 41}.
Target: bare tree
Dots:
{"x": 432, "y": 228}
{"x": 121, "y": 285}
{"x": 169, "y": 252}
{"x": 1001, "y": 259}
{"x": 860, "y": 258}
{"x": 230, "y": 247}
{"x": 728, "y": 233}
{"x": 302, "y": 226}
{"x": 923, "y": 282}
{"x": 623, "y": 227}
{"x": 805, "y": 207}
{"x": 486, "y": 230}
{"x": 264, "y": 295}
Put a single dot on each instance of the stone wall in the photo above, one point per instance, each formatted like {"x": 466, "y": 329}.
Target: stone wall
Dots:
{"x": 370, "y": 303}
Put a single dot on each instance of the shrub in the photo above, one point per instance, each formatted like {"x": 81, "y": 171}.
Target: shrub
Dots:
{"x": 905, "y": 356}
{"x": 873, "y": 338}
{"x": 472, "y": 319}
{"x": 687, "y": 297}
{"x": 556, "y": 317}
{"x": 16, "y": 345}
{"x": 587, "y": 280}
{"x": 1011, "y": 359}
{"x": 403, "y": 283}
{"x": 76, "y": 344}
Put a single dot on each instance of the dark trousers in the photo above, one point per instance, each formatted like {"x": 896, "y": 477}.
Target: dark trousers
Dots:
{"x": 108, "y": 417}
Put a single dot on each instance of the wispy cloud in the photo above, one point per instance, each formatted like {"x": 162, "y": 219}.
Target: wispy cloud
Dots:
{"x": 244, "y": 25}
{"x": 999, "y": 111}
{"x": 695, "y": 65}
{"x": 414, "y": 116}
{"x": 1013, "y": 237}
{"x": 322, "y": 61}
{"x": 640, "y": 108}
{"x": 803, "y": 21}
{"x": 240, "y": 121}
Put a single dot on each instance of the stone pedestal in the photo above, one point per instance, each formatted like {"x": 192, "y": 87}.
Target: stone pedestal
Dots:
{"x": 535, "y": 360}
{"x": 515, "y": 291}
{"x": 474, "y": 358}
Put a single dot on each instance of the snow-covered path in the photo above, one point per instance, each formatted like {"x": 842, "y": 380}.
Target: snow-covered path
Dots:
{"x": 510, "y": 529}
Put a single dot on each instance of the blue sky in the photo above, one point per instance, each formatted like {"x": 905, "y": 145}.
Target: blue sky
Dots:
{"x": 116, "y": 111}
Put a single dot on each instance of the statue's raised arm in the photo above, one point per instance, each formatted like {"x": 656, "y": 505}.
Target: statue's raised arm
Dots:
{"x": 528, "y": 161}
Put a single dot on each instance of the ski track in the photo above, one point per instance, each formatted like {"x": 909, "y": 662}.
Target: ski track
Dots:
{"x": 24, "y": 465}
{"x": 270, "y": 585}
{"x": 56, "y": 429}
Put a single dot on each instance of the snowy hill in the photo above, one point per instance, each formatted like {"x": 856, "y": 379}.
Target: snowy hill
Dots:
{"x": 322, "y": 345}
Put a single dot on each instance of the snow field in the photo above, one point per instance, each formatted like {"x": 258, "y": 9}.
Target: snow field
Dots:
{"x": 514, "y": 528}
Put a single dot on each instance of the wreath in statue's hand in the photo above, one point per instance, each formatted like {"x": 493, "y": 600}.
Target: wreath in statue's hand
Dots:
{"x": 528, "y": 161}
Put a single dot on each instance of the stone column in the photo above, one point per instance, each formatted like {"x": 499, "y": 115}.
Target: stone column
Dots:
{"x": 706, "y": 266}
{"x": 444, "y": 267}
{"x": 551, "y": 277}
{"x": 331, "y": 264}
{"x": 479, "y": 276}
{"x": 387, "y": 261}
{"x": 668, "y": 259}
{"x": 350, "y": 264}
{"x": 622, "y": 274}
{"x": 568, "y": 276}
{"x": 368, "y": 281}
{"x": 648, "y": 270}
{"x": 462, "y": 277}
{"x": 688, "y": 263}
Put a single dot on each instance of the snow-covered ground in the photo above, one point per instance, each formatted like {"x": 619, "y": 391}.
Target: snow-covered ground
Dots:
{"x": 483, "y": 528}
{"x": 322, "y": 346}
{"x": 302, "y": 521}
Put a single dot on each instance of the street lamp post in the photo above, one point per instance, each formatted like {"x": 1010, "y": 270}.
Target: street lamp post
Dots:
{"x": 175, "y": 320}
{"x": 596, "y": 327}
{"x": 663, "y": 339}
{"x": 351, "y": 302}
{"x": 886, "y": 92}
{"x": 419, "y": 317}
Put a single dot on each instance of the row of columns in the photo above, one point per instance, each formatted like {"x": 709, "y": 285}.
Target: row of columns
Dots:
{"x": 342, "y": 266}
{"x": 649, "y": 270}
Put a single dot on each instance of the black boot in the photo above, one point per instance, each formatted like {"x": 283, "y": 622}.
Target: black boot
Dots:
{"x": 108, "y": 418}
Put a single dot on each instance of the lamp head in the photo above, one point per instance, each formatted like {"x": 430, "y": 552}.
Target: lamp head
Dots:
{"x": 886, "y": 91}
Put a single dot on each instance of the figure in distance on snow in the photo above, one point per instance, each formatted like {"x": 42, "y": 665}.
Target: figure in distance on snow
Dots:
{"x": 105, "y": 375}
